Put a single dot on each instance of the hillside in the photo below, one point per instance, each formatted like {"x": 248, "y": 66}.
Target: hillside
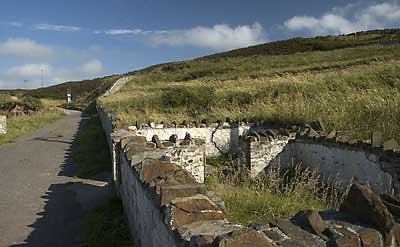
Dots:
{"x": 353, "y": 88}
{"x": 86, "y": 90}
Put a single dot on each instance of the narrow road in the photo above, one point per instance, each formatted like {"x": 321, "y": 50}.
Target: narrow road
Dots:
{"x": 41, "y": 203}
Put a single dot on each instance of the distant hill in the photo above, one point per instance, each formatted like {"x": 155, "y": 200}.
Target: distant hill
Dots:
{"x": 85, "y": 90}
{"x": 320, "y": 43}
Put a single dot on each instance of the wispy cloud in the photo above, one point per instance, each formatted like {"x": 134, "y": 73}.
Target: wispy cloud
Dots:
{"x": 25, "y": 48}
{"x": 347, "y": 19}
{"x": 123, "y": 31}
{"x": 218, "y": 37}
{"x": 49, "y": 27}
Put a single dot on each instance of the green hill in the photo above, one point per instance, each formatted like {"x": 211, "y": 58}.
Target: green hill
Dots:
{"x": 82, "y": 91}
{"x": 350, "y": 81}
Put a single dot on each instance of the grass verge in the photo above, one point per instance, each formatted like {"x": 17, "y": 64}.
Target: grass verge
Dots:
{"x": 91, "y": 150}
{"x": 21, "y": 125}
{"x": 105, "y": 226}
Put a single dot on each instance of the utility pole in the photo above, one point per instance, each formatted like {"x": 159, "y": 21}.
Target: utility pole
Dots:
{"x": 41, "y": 72}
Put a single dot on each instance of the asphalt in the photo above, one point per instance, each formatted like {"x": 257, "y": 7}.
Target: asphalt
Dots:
{"x": 41, "y": 202}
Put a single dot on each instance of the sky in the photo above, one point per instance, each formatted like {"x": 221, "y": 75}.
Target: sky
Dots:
{"x": 82, "y": 39}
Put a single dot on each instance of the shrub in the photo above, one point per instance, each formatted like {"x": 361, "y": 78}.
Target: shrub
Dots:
{"x": 32, "y": 102}
{"x": 194, "y": 98}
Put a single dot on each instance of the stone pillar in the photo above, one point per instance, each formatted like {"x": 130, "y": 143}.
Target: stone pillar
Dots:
{"x": 3, "y": 125}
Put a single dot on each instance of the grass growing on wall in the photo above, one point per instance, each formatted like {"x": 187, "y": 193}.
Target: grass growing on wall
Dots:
{"x": 21, "y": 125}
{"x": 277, "y": 195}
{"x": 355, "y": 89}
{"x": 91, "y": 151}
{"x": 105, "y": 227}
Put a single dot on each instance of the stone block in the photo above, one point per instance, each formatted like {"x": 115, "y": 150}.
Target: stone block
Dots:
{"x": 377, "y": 139}
{"x": 244, "y": 238}
{"x": 173, "y": 138}
{"x": 168, "y": 144}
{"x": 342, "y": 237}
{"x": 3, "y": 125}
{"x": 392, "y": 145}
{"x": 157, "y": 141}
{"x": 133, "y": 139}
{"x": 370, "y": 237}
{"x": 205, "y": 232}
{"x": 171, "y": 192}
{"x": 365, "y": 206}
{"x": 192, "y": 209}
{"x": 310, "y": 221}
{"x": 392, "y": 204}
{"x": 160, "y": 173}
{"x": 318, "y": 125}
{"x": 296, "y": 234}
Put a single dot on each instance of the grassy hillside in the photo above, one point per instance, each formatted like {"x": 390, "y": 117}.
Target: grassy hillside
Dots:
{"x": 354, "y": 88}
{"x": 86, "y": 90}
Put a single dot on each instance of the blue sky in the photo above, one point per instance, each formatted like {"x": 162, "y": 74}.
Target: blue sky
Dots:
{"x": 76, "y": 39}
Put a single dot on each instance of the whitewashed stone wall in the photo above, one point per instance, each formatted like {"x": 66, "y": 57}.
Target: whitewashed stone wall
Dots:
{"x": 3, "y": 125}
{"x": 144, "y": 217}
{"x": 217, "y": 140}
{"x": 357, "y": 166}
{"x": 332, "y": 161}
{"x": 259, "y": 156}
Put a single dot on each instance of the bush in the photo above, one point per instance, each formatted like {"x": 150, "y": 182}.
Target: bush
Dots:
{"x": 195, "y": 98}
{"x": 33, "y": 103}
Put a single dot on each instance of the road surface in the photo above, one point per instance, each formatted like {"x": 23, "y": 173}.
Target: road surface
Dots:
{"x": 41, "y": 203}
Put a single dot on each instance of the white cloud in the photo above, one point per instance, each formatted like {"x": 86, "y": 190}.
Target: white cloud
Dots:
{"x": 48, "y": 27}
{"x": 92, "y": 67}
{"x": 25, "y": 48}
{"x": 29, "y": 71}
{"x": 219, "y": 37}
{"x": 30, "y": 75}
{"x": 347, "y": 19}
{"x": 122, "y": 31}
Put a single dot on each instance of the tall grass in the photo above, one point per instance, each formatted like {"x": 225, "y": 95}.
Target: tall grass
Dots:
{"x": 360, "y": 99}
{"x": 276, "y": 194}
{"x": 105, "y": 226}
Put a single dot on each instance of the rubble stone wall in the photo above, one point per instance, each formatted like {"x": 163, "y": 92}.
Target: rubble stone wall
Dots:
{"x": 3, "y": 125}
{"x": 144, "y": 217}
{"x": 344, "y": 163}
{"x": 217, "y": 140}
{"x": 347, "y": 162}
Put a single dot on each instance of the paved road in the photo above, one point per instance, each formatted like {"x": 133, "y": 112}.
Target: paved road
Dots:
{"x": 41, "y": 204}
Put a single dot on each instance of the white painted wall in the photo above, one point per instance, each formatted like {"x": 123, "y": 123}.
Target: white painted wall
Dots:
{"x": 227, "y": 140}
{"x": 3, "y": 125}
{"x": 345, "y": 164}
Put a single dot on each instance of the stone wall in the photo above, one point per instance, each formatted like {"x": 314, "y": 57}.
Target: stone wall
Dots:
{"x": 347, "y": 161}
{"x": 3, "y": 125}
{"x": 159, "y": 180}
{"x": 217, "y": 138}
{"x": 166, "y": 206}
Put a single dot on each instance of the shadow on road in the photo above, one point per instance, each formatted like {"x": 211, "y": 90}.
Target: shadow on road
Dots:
{"x": 66, "y": 204}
